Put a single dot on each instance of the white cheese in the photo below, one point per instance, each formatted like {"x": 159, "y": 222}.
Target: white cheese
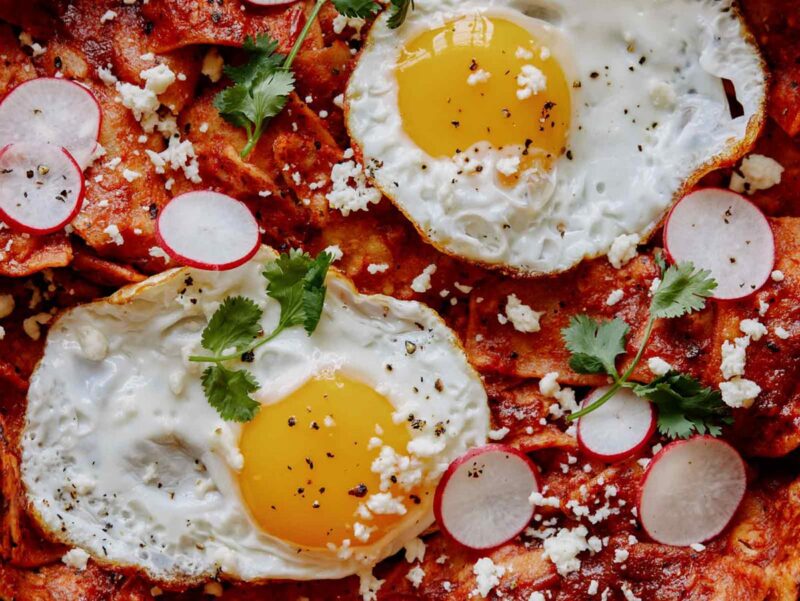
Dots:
{"x": 76, "y": 558}
{"x": 415, "y": 576}
{"x": 213, "y": 64}
{"x": 158, "y": 253}
{"x": 734, "y": 357}
{"x": 415, "y": 550}
{"x": 487, "y": 576}
{"x": 621, "y": 555}
{"x": 508, "y": 166}
{"x": 374, "y": 268}
{"x": 112, "y": 231}
{"x": 498, "y": 434}
{"x": 106, "y": 76}
{"x": 140, "y": 101}
{"x": 623, "y": 249}
{"x": 386, "y": 504}
{"x": 563, "y": 549}
{"x": 335, "y": 251}
{"x": 614, "y": 297}
{"x": 479, "y": 76}
{"x": 109, "y": 15}
{"x": 422, "y": 283}
{"x": 753, "y": 328}
{"x": 369, "y": 586}
{"x": 158, "y": 79}
{"x": 131, "y": 175}
{"x": 522, "y": 317}
{"x": 347, "y": 198}
{"x": 658, "y": 366}
{"x": 739, "y": 392}
{"x": 781, "y": 333}
{"x": 179, "y": 155}
{"x": 340, "y": 22}
{"x": 523, "y": 54}
{"x": 757, "y": 172}
{"x": 537, "y": 499}
{"x": 362, "y": 532}
{"x": 777, "y": 276}
{"x": 530, "y": 82}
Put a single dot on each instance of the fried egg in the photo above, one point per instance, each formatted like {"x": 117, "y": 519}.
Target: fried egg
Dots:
{"x": 123, "y": 457}
{"x": 530, "y": 134}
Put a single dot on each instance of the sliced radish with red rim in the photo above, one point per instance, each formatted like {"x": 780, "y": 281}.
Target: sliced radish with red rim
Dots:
{"x": 208, "y": 230}
{"x": 725, "y": 233}
{"x": 482, "y": 499}
{"x": 52, "y": 111}
{"x": 617, "y": 429}
{"x": 691, "y": 491}
{"x": 41, "y": 187}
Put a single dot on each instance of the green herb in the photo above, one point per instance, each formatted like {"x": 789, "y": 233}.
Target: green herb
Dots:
{"x": 356, "y": 8}
{"x": 262, "y": 85}
{"x": 684, "y": 405}
{"x": 595, "y": 345}
{"x": 297, "y": 282}
{"x": 228, "y": 391}
{"x": 399, "y": 12}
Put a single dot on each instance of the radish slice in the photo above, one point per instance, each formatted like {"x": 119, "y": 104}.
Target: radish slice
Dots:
{"x": 725, "y": 233}
{"x": 52, "y": 111}
{"x": 208, "y": 230}
{"x": 691, "y": 491}
{"x": 41, "y": 187}
{"x": 482, "y": 499}
{"x": 618, "y": 429}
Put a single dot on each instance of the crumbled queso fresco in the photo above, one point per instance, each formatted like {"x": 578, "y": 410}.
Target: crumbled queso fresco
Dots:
{"x": 521, "y": 316}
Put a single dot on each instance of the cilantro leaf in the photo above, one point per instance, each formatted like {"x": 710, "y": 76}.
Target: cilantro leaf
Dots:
{"x": 228, "y": 391}
{"x": 356, "y": 8}
{"x": 399, "y": 12}
{"x": 297, "y": 282}
{"x": 685, "y": 406}
{"x": 235, "y": 324}
{"x": 683, "y": 289}
{"x": 595, "y": 345}
{"x": 264, "y": 59}
{"x": 260, "y": 91}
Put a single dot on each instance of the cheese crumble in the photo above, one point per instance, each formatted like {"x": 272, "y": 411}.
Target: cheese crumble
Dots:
{"x": 487, "y": 576}
{"x": 422, "y": 283}
{"x": 623, "y": 249}
{"x": 347, "y": 198}
{"x": 522, "y": 317}
{"x": 757, "y": 172}
{"x": 531, "y": 81}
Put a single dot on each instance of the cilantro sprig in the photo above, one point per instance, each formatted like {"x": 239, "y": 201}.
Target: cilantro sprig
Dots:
{"x": 262, "y": 85}
{"x": 685, "y": 406}
{"x": 297, "y": 282}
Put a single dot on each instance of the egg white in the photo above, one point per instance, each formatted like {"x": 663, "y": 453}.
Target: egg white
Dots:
{"x": 123, "y": 456}
{"x": 621, "y": 174}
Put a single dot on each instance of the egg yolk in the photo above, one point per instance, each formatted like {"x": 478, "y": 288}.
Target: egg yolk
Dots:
{"x": 307, "y": 462}
{"x": 482, "y": 79}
